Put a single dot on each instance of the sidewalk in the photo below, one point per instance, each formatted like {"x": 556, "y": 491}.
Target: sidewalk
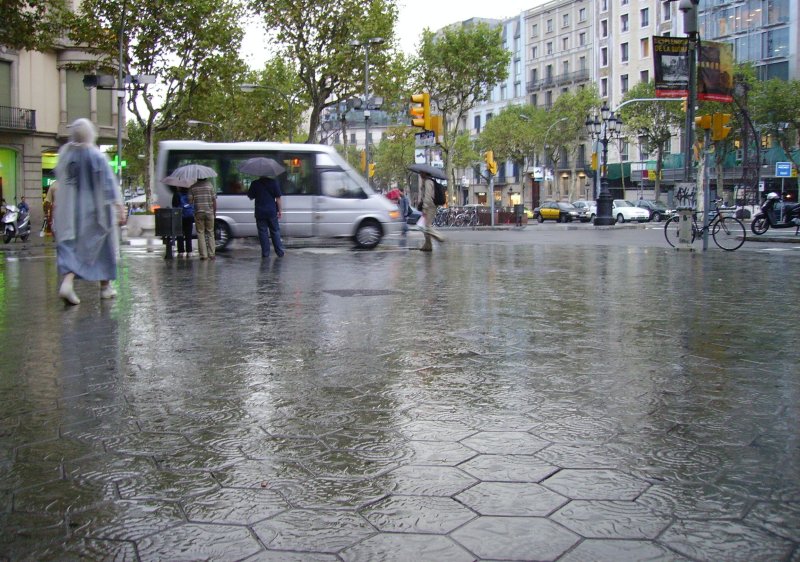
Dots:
{"x": 508, "y": 402}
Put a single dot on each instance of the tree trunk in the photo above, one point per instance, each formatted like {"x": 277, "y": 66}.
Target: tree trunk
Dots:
{"x": 659, "y": 167}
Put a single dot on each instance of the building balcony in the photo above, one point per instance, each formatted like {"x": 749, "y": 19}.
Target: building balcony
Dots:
{"x": 561, "y": 79}
{"x": 17, "y": 118}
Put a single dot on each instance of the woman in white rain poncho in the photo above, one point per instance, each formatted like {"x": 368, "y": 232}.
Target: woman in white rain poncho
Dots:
{"x": 87, "y": 214}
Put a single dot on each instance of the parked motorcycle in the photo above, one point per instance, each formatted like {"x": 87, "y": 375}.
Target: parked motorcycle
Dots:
{"x": 776, "y": 214}
{"x": 16, "y": 224}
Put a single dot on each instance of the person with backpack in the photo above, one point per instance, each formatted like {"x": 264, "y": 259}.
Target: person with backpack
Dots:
{"x": 428, "y": 198}
{"x": 181, "y": 199}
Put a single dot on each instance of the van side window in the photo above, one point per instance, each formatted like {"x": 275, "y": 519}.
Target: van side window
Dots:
{"x": 339, "y": 184}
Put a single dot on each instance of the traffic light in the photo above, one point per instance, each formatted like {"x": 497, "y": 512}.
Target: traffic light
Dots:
{"x": 491, "y": 165}
{"x": 371, "y": 169}
{"x": 421, "y": 113}
{"x": 363, "y": 160}
{"x": 685, "y": 105}
{"x": 719, "y": 128}
{"x": 594, "y": 161}
{"x": 703, "y": 121}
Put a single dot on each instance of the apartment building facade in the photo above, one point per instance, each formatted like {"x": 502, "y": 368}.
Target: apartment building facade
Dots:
{"x": 41, "y": 93}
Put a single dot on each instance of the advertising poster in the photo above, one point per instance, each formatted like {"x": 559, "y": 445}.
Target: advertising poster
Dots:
{"x": 671, "y": 59}
{"x": 715, "y": 76}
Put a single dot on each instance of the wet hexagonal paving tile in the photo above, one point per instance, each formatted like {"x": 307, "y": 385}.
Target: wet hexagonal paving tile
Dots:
{"x": 415, "y": 514}
{"x": 444, "y": 453}
{"x": 331, "y": 493}
{"x": 725, "y": 540}
{"x": 507, "y": 498}
{"x": 406, "y": 547}
{"x": 515, "y": 538}
{"x": 783, "y": 519}
{"x": 429, "y": 480}
{"x": 505, "y": 443}
{"x": 233, "y": 505}
{"x": 611, "y": 519}
{"x": 588, "y": 484}
{"x": 315, "y": 531}
{"x": 199, "y": 542}
{"x": 593, "y": 550}
{"x": 508, "y": 468}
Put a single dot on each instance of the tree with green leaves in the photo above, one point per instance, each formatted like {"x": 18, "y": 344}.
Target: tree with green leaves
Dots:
{"x": 393, "y": 155}
{"x": 34, "y": 25}
{"x": 273, "y": 111}
{"x": 459, "y": 67}
{"x": 317, "y": 36}
{"x": 514, "y": 134}
{"x": 776, "y": 106}
{"x": 567, "y": 130}
{"x": 190, "y": 46}
{"x": 654, "y": 122}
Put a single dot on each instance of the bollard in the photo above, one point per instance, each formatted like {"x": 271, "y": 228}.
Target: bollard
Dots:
{"x": 685, "y": 230}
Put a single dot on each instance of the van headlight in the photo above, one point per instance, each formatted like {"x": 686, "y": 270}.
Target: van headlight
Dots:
{"x": 394, "y": 215}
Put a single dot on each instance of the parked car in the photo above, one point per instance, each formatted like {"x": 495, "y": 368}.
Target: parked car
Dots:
{"x": 587, "y": 210}
{"x": 556, "y": 211}
{"x": 625, "y": 211}
{"x": 658, "y": 211}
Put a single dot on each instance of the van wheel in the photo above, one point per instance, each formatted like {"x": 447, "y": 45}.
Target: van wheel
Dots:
{"x": 368, "y": 235}
{"x": 222, "y": 234}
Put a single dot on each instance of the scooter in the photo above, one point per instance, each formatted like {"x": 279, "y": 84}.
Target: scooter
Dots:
{"x": 776, "y": 214}
{"x": 16, "y": 224}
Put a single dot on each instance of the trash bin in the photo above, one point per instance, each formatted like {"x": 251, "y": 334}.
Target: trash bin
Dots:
{"x": 169, "y": 222}
{"x": 519, "y": 212}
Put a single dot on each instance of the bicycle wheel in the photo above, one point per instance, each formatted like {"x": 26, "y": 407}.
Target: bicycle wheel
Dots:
{"x": 729, "y": 233}
{"x": 672, "y": 231}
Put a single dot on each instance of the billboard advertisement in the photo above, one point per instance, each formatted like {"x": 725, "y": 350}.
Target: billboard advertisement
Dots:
{"x": 671, "y": 72}
{"x": 715, "y": 76}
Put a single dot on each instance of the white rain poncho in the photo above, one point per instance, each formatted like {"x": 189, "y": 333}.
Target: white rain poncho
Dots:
{"x": 85, "y": 220}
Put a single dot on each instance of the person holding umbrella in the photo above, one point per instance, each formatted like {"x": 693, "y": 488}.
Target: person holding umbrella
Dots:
{"x": 267, "y": 195}
{"x": 203, "y": 198}
{"x": 427, "y": 206}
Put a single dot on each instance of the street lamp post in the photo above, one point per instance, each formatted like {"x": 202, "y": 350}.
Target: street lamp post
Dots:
{"x": 196, "y": 122}
{"x": 366, "y": 44}
{"x": 289, "y": 100}
{"x": 602, "y": 129}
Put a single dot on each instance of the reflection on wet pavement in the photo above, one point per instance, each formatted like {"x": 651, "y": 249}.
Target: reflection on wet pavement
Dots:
{"x": 492, "y": 402}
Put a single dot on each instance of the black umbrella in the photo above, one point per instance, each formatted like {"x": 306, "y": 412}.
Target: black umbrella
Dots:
{"x": 429, "y": 170}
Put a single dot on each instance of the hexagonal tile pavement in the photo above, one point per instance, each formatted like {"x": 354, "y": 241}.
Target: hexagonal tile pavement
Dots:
{"x": 415, "y": 514}
{"x": 235, "y": 506}
{"x": 199, "y": 542}
{"x": 511, "y": 498}
{"x": 428, "y": 480}
{"x": 508, "y": 468}
{"x": 611, "y": 519}
{"x": 514, "y": 538}
{"x": 406, "y": 547}
{"x": 725, "y": 540}
{"x": 505, "y": 443}
{"x": 594, "y": 550}
{"x": 443, "y": 453}
{"x": 313, "y": 530}
{"x": 585, "y": 484}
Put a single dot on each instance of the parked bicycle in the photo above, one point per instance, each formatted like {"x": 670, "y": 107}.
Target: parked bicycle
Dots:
{"x": 728, "y": 232}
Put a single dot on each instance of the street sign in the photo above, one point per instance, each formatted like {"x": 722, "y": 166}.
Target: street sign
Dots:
{"x": 419, "y": 156}
{"x": 425, "y": 138}
{"x": 783, "y": 169}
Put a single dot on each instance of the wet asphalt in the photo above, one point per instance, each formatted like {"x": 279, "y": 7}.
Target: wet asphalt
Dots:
{"x": 487, "y": 401}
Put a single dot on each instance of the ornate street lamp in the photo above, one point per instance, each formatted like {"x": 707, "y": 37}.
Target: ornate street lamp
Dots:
{"x": 602, "y": 129}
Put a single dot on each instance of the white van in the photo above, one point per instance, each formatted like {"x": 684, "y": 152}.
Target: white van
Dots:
{"x": 322, "y": 195}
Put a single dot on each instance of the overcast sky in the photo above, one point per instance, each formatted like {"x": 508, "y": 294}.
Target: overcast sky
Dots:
{"x": 414, "y": 16}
